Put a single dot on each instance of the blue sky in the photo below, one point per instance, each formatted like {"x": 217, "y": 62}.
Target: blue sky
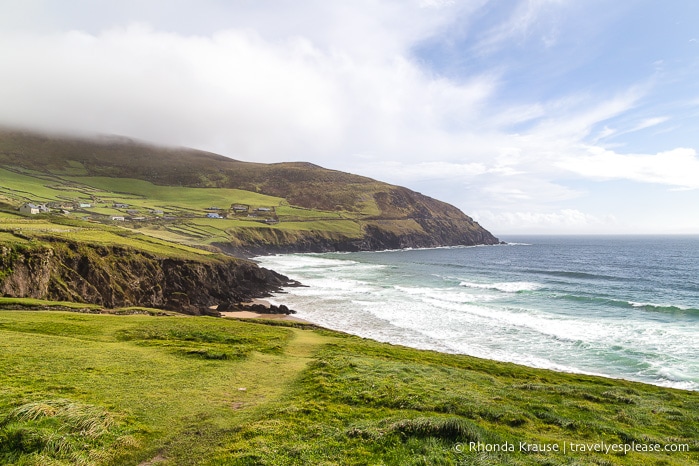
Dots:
{"x": 539, "y": 116}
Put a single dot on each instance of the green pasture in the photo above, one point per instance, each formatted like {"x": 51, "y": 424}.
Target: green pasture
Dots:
{"x": 189, "y": 198}
{"x": 34, "y": 225}
{"x": 136, "y": 241}
{"x": 11, "y": 215}
{"x": 89, "y": 233}
{"x": 104, "y": 210}
{"x": 28, "y": 188}
{"x": 161, "y": 382}
{"x": 191, "y": 228}
{"x": 170, "y": 233}
{"x": 7, "y": 302}
{"x": 8, "y": 237}
{"x": 134, "y": 390}
{"x": 297, "y": 213}
{"x": 348, "y": 228}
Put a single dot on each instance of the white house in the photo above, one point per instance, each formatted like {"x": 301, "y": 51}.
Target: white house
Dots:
{"x": 33, "y": 209}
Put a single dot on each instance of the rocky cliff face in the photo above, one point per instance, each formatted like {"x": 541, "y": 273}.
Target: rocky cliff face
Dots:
{"x": 118, "y": 277}
{"x": 408, "y": 220}
{"x": 378, "y": 236}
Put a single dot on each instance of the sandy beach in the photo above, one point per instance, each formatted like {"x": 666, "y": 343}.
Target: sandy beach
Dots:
{"x": 255, "y": 315}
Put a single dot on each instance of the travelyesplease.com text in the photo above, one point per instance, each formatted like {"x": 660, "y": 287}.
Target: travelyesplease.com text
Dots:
{"x": 573, "y": 447}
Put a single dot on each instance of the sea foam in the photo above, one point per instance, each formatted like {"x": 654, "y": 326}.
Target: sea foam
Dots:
{"x": 506, "y": 287}
{"x": 596, "y": 305}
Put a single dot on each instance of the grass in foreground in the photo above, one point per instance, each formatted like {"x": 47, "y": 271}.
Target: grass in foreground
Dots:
{"x": 97, "y": 389}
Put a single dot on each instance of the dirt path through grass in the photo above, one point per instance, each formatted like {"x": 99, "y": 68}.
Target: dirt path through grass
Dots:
{"x": 259, "y": 382}
{"x": 264, "y": 377}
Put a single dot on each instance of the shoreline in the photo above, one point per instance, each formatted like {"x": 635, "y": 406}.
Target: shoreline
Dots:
{"x": 254, "y": 315}
{"x": 257, "y": 315}
{"x": 489, "y": 303}
{"x": 246, "y": 315}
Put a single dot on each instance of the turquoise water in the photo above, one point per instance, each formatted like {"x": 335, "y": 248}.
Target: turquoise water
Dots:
{"x": 625, "y": 307}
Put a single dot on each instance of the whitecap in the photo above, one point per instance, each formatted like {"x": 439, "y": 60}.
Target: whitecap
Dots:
{"x": 507, "y": 287}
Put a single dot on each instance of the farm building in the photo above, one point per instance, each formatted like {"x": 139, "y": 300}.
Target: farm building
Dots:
{"x": 33, "y": 209}
{"x": 59, "y": 205}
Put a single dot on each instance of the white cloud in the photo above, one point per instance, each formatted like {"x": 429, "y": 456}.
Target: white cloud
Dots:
{"x": 429, "y": 171}
{"x": 253, "y": 98}
{"x": 678, "y": 167}
{"x": 641, "y": 125}
{"x": 530, "y": 17}
{"x": 338, "y": 84}
{"x": 561, "y": 221}
{"x": 436, "y": 3}
{"x": 650, "y": 122}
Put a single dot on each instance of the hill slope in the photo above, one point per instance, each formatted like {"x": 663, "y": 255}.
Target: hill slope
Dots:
{"x": 136, "y": 390}
{"x": 200, "y": 198}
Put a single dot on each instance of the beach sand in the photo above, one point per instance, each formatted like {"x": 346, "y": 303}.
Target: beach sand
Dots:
{"x": 255, "y": 315}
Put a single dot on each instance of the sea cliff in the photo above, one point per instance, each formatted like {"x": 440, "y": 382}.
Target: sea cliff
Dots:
{"x": 119, "y": 277}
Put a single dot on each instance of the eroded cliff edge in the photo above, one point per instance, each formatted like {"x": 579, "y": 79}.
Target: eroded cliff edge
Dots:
{"x": 113, "y": 276}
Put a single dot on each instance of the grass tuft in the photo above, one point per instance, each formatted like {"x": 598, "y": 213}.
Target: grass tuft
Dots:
{"x": 442, "y": 428}
{"x": 56, "y": 431}
{"x": 88, "y": 420}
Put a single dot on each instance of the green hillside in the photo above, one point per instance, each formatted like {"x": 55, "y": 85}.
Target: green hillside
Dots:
{"x": 202, "y": 199}
{"x": 115, "y": 223}
{"x": 174, "y": 213}
{"x": 84, "y": 389}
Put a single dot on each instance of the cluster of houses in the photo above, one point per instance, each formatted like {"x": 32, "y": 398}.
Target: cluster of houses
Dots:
{"x": 133, "y": 214}
{"x": 238, "y": 209}
{"x": 29, "y": 208}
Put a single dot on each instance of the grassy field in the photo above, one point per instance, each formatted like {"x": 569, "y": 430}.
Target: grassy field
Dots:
{"x": 193, "y": 198}
{"x": 8, "y": 303}
{"x": 185, "y": 207}
{"x": 27, "y": 187}
{"x": 136, "y": 390}
{"x": 44, "y": 229}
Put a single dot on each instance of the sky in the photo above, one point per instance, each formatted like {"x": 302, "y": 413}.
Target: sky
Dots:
{"x": 531, "y": 116}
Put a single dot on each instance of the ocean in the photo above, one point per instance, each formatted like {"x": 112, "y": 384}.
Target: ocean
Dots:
{"x": 618, "y": 306}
